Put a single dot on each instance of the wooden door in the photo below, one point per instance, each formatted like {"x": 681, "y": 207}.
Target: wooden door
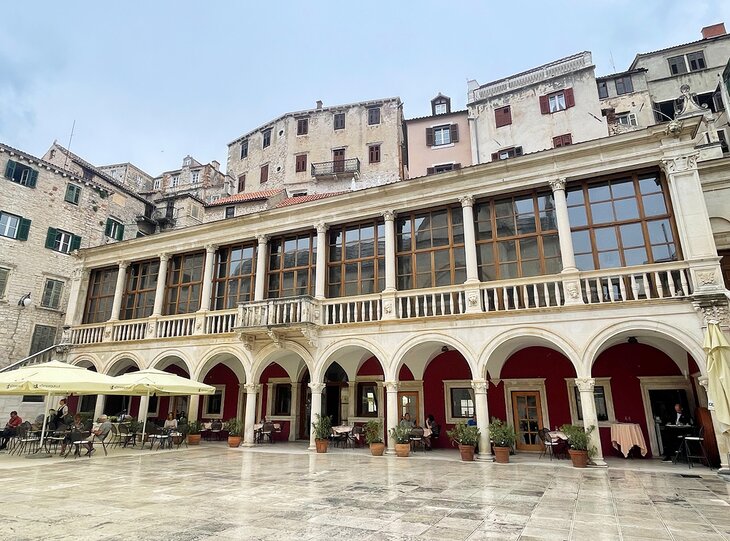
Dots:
{"x": 338, "y": 157}
{"x": 408, "y": 403}
{"x": 527, "y": 415}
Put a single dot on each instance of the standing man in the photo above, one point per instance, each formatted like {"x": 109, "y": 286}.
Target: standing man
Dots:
{"x": 11, "y": 428}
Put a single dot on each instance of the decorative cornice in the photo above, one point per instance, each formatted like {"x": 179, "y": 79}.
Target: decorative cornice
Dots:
{"x": 557, "y": 183}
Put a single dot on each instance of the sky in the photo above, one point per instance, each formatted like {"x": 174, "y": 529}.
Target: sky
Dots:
{"x": 150, "y": 82}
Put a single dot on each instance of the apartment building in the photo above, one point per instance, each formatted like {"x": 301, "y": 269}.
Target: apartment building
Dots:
{"x": 625, "y": 101}
{"x": 325, "y": 149}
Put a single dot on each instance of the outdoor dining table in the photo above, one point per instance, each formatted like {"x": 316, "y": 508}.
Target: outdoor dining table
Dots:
{"x": 342, "y": 429}
{"x": 626, "y": 436}
{"x": 557, "y": 435}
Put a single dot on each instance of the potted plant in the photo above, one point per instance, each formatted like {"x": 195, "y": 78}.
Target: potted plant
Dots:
{"x": 579, "y": 444}
{"x": 374, "y": 437}
{"x": 466, "y": 437}
{"x": 402, "y": 436}
{"x": 322, "y": 431}
{"x": 194, "y": 428}
{"x": 503, "y": 438}
{"x": 234, "y": 428}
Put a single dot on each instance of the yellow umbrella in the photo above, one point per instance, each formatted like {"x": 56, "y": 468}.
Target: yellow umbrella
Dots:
{"x": 156, "y": 382}
{"x": 718, "y": 372}
{"x": 54, "y": 378}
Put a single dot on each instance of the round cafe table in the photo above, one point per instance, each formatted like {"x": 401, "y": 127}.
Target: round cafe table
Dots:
{"x": 626, "y": 436}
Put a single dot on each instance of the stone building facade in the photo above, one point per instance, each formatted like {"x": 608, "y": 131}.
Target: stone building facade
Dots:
{"x": 625, "y": 101}
{"x": 130, "y": 176}
{"x": 326, "y": 149}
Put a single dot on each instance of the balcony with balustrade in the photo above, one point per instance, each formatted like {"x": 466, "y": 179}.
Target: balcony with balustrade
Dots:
{"x": 337, "y": 169}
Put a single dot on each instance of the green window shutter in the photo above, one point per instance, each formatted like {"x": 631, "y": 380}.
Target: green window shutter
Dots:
{"x": 4, "y": 274}
{"x": 108, "y": 229}
{"x": 10, "y": 169}
{"x": 32, "y": 178}
{"x": 75, "y": 243}
{"x": 51, "y": 238}
{"x": 23, "y": 229}
{"x": 120, "y": 232}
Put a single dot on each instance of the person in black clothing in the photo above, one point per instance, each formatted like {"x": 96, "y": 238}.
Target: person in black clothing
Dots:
{"x": 671, "y": 440}
{"x": 61, "y": 412}
{"x": 681, "y": 418}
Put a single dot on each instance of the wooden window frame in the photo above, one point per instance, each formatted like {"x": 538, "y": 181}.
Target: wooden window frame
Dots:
{"x": 264, "y": 175}
{"x": 643, "y": 219}
{"x": 300, "y": 163}
{"x": 242, "y": 182}
{"x": 4, "y": 281}
{"x": 503, "y": 116}
{"x": 539, "y": 235}
{"x": 376, "y": 258}
{"x": 8, "y": 231}
{"x": 678, "y": 60}
{"x": 73, "y": 194}
{"x": 244, "y": 149}
{"x": 190, "y": 303}
{"x": 413, "y": 252}
{"x": 627, "y": 85}
{"x": 100, "y": 295}
{"x": 359, "y": 393}
{"x": 568, "y": 101}
{"x": 21, "y": 174}
{"x": 694, "y": 57}
{"x": 138, "y": 302}
{"x": 303, "y": 126}
{"x": 226, "y": 280}
{"x": 52, "y": 298}
{"x": 230, "y": 212}
{"x": 374, "y": 153}
{"x": 602, "y": 89}
{"x": 266, "y": 137}
{"x": 336, "y": 124}
{"x": 374, "y": 116}
{"x": 562, "y": 140}
{"x": 280, "y": 270}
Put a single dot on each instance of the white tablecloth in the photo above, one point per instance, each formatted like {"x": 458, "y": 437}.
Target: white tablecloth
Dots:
{"x": 625, "y": 435}
{"x": 259, "y": 426}
{"x": 556, "y": 435}
{"x": 341, "y": 429}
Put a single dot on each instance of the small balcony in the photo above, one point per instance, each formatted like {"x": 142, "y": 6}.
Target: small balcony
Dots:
{"x": 349, "y": 168}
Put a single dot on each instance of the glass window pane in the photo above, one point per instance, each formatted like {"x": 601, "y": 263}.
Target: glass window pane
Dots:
{"x": 508, "y": 270}
{"x": 663, "y": 252}
{"x": 649, "y": 185}
{"x": 660, "y": 231}
{"x": 654, "y": 205}
{"x": 574, "y": 196}
{"x": 607, "y": 260}
{"x": 584, "y": 262}
{"x": 423, "y": 262}
{"x": 602, "y": 213}
{"x": 606, "y": 238}
{"x": 528, "y": 248}
{"x": 506, "y": 227}
{"x": 635, "y": 256}
{"x": 599, "y": 192}
{"x": 626, "y": 209}
{"x": 507, "y": 250}
{"x": 623, "y": 188}
{"x": 441, "y": 237}
{"x": 577, "y": 216}
{"x": 551, "y": 246}
{"x": 531, "y": 268}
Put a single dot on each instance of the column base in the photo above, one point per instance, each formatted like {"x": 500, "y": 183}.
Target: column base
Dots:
{"x": 244, "y": 444}
{"x": 485, "y": 457}
{"x": 312, "y": 447}
{"x": 724, "y": 474}
{"x": 599, "y": 463}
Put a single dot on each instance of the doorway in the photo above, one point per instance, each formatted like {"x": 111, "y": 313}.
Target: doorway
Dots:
{"x": 408, "y": 403}
{"x": 338, "y": 157}
{"x": 527, "y": 414}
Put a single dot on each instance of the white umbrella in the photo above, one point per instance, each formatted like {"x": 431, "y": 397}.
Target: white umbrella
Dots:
{"x": 718, "y": 372}
{"x": 54, "y": 378}
{"x": 156, "y": 382}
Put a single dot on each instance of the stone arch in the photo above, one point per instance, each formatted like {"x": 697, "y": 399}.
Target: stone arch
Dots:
{"x": 86, "y": 360}
{"x": 122, "y": 361}
{"x": 496, "y": 353}
{"x": 159, "y": 363}
{"x": 283, "y": 356}
{"x": 224, "y": 355}
{"x": 360, "y": 349}
{"x": 430, "y": 344}
{"x": 655, "y": 333}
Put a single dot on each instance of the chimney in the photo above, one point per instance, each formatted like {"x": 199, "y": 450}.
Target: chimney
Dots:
{"x": 319, "y": 102}
{"x": 215, "y": 165}
{"x": 713, "y": 31}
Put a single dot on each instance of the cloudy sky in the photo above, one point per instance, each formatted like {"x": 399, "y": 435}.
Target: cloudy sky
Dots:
{"x": 151, "y": 81}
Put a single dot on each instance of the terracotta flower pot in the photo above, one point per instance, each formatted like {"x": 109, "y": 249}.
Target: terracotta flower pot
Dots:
{"x": 234, "y": 441}
{"x": 467, "y": 452}
{"x": 501, "y": 455}
{"x": 402, "y": 449}
{"x": 579, "y": 458}
{"x": 193, "y": 439}
{"x": 377, "y": 449}
{"x": 321, "y": 445}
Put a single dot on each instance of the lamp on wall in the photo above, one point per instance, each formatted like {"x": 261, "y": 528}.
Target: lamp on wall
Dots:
{"x": 632, "y": 340}
{"x": 24, "y": 301}
{"x": 444, "y": 349}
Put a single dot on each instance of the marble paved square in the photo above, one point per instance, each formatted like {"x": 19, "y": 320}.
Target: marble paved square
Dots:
{"x": 213, "y": 492}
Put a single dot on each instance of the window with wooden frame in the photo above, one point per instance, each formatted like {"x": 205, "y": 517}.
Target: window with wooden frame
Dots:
{"x": 282, "y": 399}
{"x": 339, "y": 121}
{"x": 114, "y": 229}
{"x": 44, "y": 336}
{"x": 302, "y": 126}
{"x": 374, "y": 153}
{"x": 677, "y": 65}
{"x": 507, "y": 153}
{"x": 73, "y": 192}
{"x": 4, "y": 279}
{"x": 21, "y": 174}
{"x": 602, "y": 89}
{"x": 623, "y": 85}
{"x": 230, "y": 212}
{"x": 14, "y": 227}
{"x": 291, "y": 269}
{"x": 233, "y": 280}
{"x": 373, "y": 116}
{"x": 696, "y": 61}
{"x": 430, "y": 248}
{"x": 367, "y": 399}
{"x": 244, "y": 149}
{"x": 442, "y": 135}
{"x": 138, "y": 299}
{"x": 517, "y": 236}
{"x": 562, "y": 140}
{"x": 264, "y": 177}
{"x": 356, "y": 263}
{"x": 622, "y": 221}
{"x": 184, "y": 283}
{"x": 62, "y": 241}
{"x": 503, "y": 116}
{"x": 52, "y": 293}
{"x": 443, "y": 168}
{"x": 266, "y": 138}
{"x": 213, "y": 403}
{"x": 300, "y": 163}
{"x": 100, "y": 295}
{"x": 242, "y": 183}
{"x": 557, "y": 101}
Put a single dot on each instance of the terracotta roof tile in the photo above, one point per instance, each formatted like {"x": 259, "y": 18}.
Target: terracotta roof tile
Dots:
{"x": 306, "y": 199}
{"x": 244, "y": 197}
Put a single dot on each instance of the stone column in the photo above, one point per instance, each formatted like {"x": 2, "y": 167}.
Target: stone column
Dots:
{"x": 320, "y": 272}
{"x": 481, "y": 406}
{"x": 99, "y": 407}
{"x": 119, "y": 290}
{"x": 352, "y": 404}
{"x": 388, "y": 296}
{"x": 722, "y": 438}
{"x": 391, "y": 388}
{"x": 470, "y": 243}
{"x": 588, "y": 408}
{"x": 207, "y": 277}
{"x": 293, "y": 408}
{"x": 250, "y": 414}
{"x": 315, "y": 409}
{"x": 160, "y": 287}
{"x": 261, "y": 257}
{"x": 79, "y": 277}
{"x": 269, "y": 400}
{"x": 193, "y": 407}
{"x": 571, "y": 278}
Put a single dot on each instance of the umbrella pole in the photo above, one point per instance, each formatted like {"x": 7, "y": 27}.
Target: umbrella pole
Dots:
{"x": 144, "y": 419}
{"x": 45, "y": 417}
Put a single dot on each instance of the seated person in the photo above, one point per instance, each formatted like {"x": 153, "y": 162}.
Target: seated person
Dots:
{"x": 406, "y": 421}
{"x": 428, "y": 430}
{"x": 170, "y": 422}
{"x": 472, "y": 421}
{"x": 11, "y": 429}
{"x": 680, "y": 417}
{"x": 76, "y": 427}
{"x": 99, "y": 434}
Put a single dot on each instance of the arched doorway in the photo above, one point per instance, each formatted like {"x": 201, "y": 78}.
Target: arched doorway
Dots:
{"x": 118, "y": 405}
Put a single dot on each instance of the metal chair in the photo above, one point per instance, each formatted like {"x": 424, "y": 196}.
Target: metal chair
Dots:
{"x": 340, "y": 439}
{"x": 357, "y": 436}
{"x": 547, "y": 442}
{"x": 416, "y": 438}
{"x": 699, "y": 439}
{"x": 216, "y": 429}
{"x": 25, "y": 439}
{"x": 267, "y": 432}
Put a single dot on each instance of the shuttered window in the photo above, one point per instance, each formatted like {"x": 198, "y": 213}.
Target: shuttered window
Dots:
{"x": 624, "y": 85}
{"x": 4, "y": 278}
{"x": 244, "y": 149}
{"x": 264, "y": 174}
{"x": 242, "y": 182}
{"x": 602, "y": 89}
{"x": 22, "y": 174}
{"x": 507, "y": 153}
{"x": 562, "y": 140}
{"x": 62, "y": 241}
{"x": 503, "y": 116}
{"x": 301, "y": 163}
{"x": 14, "y": 227}
{"x": 373, "y": 116}
{"x": 114, "y": 229}
{"x": 557, "y": 101}
{"x": 52, "y": 292}
{"x": 73, "y": 193}
{"x": 442, "y": 135}
{"x": 302, "y": 126}
{"x": 339, "y": 121}
{"x": 44, "y": 336}
{"x": 374, "y": 154}
{"x": 266, "y": 138}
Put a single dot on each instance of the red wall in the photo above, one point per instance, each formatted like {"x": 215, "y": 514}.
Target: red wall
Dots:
{"x": 371, "y": 367}
{"x": 274, "y": 370}
{"x": 222, "y": 375}
{"x": 405, "y": 374}
{"x": 624, "y": 363}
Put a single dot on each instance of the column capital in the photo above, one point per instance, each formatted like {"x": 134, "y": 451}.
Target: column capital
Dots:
{"x": 466, "y": 201}
{"x": 479, "y": 386}
{"x": 262, "y": 239}
{"x": 391, "y": 386}
{"x": 704, "y": 381}
{"x": 122, "y": 264}
{"x": 317, "y": 388}
{"x": 165, "y": 256}
{"x": 321, "y": 227}
{"x": 389, "y": 215}
{"x": 557, "y": 183}
{"x": 210, "y": 248}
{"x": 585, "y": 385}
{"x": 252, "y": 388}
{"x": 679, "y": 164}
